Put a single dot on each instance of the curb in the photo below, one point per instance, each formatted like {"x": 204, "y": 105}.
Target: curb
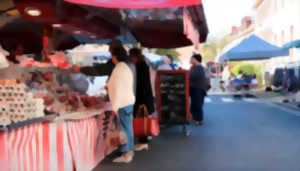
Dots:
{"x": 287, "y": 105}
{"x": 267, "y": 100}
{"x": 279, "y": 104}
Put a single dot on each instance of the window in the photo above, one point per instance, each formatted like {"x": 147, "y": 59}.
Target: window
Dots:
{"x": 275, "y": 39}
{"x": 292, "y": 32}
{"x": 275, "y": 6}
{"x": 282, "y": 42}
{"x": 282, "y": 37}
{"x": 283, "y": 3}
{"x": 291, "y": 39}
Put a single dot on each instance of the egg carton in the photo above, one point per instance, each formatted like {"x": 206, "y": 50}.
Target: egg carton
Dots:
{"x": 17, "y": 89}
{"x": 5, "y": 120}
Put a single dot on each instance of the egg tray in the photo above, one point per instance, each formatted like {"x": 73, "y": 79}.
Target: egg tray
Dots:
{"x": 22, "y": 124}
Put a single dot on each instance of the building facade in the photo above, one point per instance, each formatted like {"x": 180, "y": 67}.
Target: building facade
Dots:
{"x": 277, "y": 22}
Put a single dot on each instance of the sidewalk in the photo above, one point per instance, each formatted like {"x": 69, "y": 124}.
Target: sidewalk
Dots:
{"x": 279, "y": 98}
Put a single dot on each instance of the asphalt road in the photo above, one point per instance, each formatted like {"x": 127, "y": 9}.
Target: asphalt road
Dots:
{"x": 238, "y": 135}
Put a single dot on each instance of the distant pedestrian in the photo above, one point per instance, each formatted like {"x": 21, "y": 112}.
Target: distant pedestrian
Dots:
{"x": 197, "y": 88}
{"x": 164, "y": 64}
{"x": 171, "y": 62}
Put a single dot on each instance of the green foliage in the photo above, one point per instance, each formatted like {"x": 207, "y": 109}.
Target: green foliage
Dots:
{"x": 172, "y": 52}
{"x": 224, "y": 41}
{"x": 249, "y": 69}
{"x": 209, "y": 51}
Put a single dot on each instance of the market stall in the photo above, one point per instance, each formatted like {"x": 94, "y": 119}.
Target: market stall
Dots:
{"x": 46, "y": 115}
{"x": 250, "y": 48}
{"x": 57, "y": 146}
{"x": 51, "y": 122}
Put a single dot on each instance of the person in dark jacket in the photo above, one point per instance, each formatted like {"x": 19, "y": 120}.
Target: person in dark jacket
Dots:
{"x": 197, "y": 88}
{"x": 144, "y": 94}
{"x": 101, "y": 69}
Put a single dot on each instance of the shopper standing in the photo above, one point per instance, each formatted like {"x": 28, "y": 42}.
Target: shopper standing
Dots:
{"x": 121, "y": 91}
{"x": 164, "y": 64}
{"x": 197, "y": 88}
{"x": 144, "y": 94}
{"x": 171, "y": 62}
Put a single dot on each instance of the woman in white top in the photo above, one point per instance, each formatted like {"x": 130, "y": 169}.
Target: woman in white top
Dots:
{"x": 121, "y": 91}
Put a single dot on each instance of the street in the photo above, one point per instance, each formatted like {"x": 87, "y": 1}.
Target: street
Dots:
{"x": 238, "y": 135}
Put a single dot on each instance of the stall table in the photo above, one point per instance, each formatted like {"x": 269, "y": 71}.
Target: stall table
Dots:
{"x": 62, "y": 145}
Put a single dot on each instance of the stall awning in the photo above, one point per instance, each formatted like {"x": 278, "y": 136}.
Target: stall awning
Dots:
{"x": 153, "y": 28}
{"x": 253, "y": 48}
{"x": 138, "y": 4}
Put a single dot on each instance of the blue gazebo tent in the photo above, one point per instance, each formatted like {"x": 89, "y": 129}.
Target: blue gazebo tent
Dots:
{"x": 253, "y": 48}
{"x": 292, "y": 44}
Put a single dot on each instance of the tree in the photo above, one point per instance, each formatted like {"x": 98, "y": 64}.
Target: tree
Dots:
{"x": 209, "y": 50}
{"x": 224, "y": 41}
{"x": 172, "y": 52}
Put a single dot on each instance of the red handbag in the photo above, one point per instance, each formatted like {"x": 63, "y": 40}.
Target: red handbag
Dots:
{"x": 144, "y": 126}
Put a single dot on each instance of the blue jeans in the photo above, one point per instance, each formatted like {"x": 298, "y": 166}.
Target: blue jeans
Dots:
{"x": 126, "y": 116}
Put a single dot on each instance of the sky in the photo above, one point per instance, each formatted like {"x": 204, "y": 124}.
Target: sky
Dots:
{"x": 221, "y": 15}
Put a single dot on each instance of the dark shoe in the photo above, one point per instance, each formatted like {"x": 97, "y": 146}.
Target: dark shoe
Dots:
{"x": 199, "y": 123}
{"x": 285, "y": 101}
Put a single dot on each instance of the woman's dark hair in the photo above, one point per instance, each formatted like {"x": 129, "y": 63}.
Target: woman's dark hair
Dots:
{"x": 198, "y": 57}
{"x": 136, "y": 52}
{"x": 115, "y": 43}
{"x": 120, "y": 53}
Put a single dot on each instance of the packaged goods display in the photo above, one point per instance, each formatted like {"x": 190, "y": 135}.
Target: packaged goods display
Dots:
{"x": 32, "y": 92}
{"x": 17, "y": 104}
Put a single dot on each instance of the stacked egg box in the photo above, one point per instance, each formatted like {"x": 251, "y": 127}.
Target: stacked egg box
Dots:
{"x": 18, "y": 105}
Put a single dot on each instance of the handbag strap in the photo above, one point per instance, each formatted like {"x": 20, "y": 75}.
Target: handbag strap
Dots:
{"x": 145, "y": 116}
{"x": 143, "y": 110}
{"x": 145, "y": 126}
{"x": 146, "y": 112}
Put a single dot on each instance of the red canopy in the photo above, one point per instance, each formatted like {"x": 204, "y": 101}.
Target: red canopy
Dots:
{"x": 153, "y": 28}
{"x": 136, "y": 3}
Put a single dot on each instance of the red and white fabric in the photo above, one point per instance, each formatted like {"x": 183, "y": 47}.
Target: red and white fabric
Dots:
{"x": 136, "y": 3}
{"x": 62, "y": 146}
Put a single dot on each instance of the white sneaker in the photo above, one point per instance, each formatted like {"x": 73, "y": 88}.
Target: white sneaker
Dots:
{"x": 123, "y": 159}
{"x": 140, "y": 147}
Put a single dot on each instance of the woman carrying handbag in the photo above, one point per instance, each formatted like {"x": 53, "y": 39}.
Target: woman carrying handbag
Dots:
{"x": 144, "y": 95}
